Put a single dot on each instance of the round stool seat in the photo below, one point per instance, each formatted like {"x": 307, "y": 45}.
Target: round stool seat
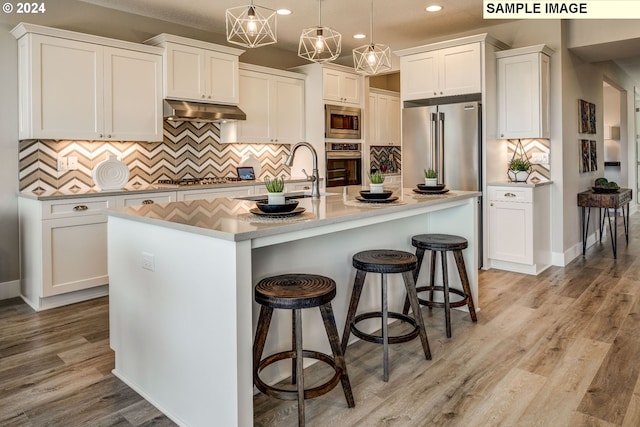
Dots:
{"x": 295, "y": 291}
{"x": 384, "y": 261}
{"x": 439, "y": 242}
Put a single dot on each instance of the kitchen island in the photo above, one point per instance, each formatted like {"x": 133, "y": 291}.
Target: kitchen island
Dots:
{"x": 181, "y": 287}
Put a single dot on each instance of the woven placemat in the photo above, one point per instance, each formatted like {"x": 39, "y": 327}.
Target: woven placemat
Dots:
{"x": 249, "y": 217}
{"x": 359, "y": 204}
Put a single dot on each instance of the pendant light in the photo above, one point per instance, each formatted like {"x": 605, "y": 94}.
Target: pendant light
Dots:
{"x": 372, "y": 58}
{"x": 251, "y": 26}
{"x": 320, "y": 44}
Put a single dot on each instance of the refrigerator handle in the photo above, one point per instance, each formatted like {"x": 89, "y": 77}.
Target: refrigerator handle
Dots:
{"x": 440, "y": 157}
{"x": 434, "y": 141}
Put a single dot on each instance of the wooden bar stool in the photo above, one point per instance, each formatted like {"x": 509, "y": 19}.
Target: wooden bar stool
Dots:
{"x": 385, "y": 261}
{"x": 296, "y": 292}
{"x": 443, "y": 243}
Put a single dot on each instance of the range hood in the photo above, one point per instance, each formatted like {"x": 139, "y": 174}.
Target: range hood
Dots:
{"x": 201, "y": 112}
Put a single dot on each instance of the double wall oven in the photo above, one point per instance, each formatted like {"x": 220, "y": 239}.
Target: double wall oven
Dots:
{"x": 344, "y": 163}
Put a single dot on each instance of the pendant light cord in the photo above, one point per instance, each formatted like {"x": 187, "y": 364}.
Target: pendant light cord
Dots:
{"x": 371, "y": 22}
{"x": 319, "y": 13}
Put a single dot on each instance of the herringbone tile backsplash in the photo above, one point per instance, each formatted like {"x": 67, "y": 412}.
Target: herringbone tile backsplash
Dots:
{"x": 188, "y": 150}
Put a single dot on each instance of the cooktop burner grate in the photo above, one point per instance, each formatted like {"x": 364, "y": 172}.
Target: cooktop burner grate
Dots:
{"x": 198, "y": 181}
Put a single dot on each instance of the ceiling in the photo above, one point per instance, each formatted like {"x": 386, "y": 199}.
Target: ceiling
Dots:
{"x": 406, "y": 24}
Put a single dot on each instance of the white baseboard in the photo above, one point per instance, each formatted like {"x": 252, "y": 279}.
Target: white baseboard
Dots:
{"x": 561, "y": 259}
{"x": 9, "y": 289}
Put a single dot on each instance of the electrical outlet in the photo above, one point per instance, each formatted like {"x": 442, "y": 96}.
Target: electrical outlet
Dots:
{"x": 148, "y": 261}
{"x": 72, "y": 162}
{"x": 540, "y": 158}
{"x": 62, "y": 164}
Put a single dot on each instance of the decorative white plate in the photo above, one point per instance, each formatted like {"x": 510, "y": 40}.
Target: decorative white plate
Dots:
{"x": 251, "y": 160}
{"x": 110, "y": 174}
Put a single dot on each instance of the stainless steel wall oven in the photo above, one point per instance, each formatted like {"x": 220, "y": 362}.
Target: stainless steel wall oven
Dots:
{"x": 344, "y": 164}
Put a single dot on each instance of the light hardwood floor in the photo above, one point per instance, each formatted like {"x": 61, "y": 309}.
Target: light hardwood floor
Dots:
{"x": 559, "y": 349}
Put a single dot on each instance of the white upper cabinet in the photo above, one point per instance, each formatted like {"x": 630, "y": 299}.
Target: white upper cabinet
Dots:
{"x": 443, "y": 72}
{"x": 73, "y": 88}
{"x": 341, "y": 87}
{"x": 523, "y": 92}
{"x": 384, "y": 118}
{"x": 199, "y": 71}
{"x": 274, "y": 103}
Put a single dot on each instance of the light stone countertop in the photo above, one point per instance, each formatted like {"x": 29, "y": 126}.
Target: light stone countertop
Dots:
{"x": 230, "y": 219}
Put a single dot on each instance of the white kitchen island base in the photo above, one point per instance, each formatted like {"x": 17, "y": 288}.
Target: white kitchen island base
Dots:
{"x": 182, "y": 331}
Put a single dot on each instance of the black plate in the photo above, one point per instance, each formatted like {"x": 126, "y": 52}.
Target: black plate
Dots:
{"x": 289, "y": 205}
{"x": 389, "y": 200}
{"x": 366, "y": 194}
{"x": 444, "y": 190}
{"x": 296, "y": 211}
{"x": 430, "y": 187}
{"x": 605, "y": 190}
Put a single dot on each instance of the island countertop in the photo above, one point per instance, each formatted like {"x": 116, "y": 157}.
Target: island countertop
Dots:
{"x": 230, "y": 219}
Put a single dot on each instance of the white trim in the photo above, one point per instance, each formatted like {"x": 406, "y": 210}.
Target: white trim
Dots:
{"x": 66, "y": 299}
{"x": 9, "y": 289}
{"x": 162, "y": 39}
{"x": 484, "y": 37}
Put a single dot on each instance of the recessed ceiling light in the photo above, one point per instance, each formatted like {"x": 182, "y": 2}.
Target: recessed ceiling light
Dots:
{"x": 359, "y": 36}
{"x": 283, "y": 12}
{"x": 434, "y": 8}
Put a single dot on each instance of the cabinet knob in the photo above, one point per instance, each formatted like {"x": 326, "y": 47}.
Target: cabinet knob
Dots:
{"x": 147, "y": 202}
{"x": 100, "y": 135}
{"x": 80, "y": 208}
{"x": 209, "y": 97}
{"x": 203, "y": 96}
{"x": 435, "y": 93}
{"x": 109, "y": 136}
{"x": 502, "y": 135}
{"x": 491, "y": 204}
{"x": 441, "y": 93}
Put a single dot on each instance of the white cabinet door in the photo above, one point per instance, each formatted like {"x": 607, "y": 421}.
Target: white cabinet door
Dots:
{"x": 288, "y": 104}
{"x": 341, "y": 87}
{"x": 523, "y": 96}
{"x": 384, "y": 118}
{"x": 394, "y": 120}
{"x": 184, "y": 71}
{"x": 60, "y": 84}
{"x": 221, "y": 77}
{"x": 445, "y": 72}
{"x": 201, "y": 75}
{"x": 74, "y": 255}
{"x": 511, "y": 224}
{"x": 459, "y": 71}
{"x": 132, "y": 96}
{"x": 274, "y": 106}
{"x": 372, "y": 117}
{"x": 419, "y": 75}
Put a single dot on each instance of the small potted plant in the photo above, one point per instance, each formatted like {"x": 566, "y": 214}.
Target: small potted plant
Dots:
{"x": 275, "y": 187}
{"x": 430, "y": 177}
{"x": 377, "y": 180}
{"x": 519, "y": 169}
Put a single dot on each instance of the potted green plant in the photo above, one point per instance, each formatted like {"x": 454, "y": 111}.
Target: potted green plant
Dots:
{"x": 275, "y": 188}
{"x": 376, "y": 182}
{"x": 519, "y": 169}
{"x": 430, "y": 177}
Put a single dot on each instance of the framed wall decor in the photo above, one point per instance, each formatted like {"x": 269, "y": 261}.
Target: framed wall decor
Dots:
{"x": 585, "y": 158}
{"x": 587, "y": 123}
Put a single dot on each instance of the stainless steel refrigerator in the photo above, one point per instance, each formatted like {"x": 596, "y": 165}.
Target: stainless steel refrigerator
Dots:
{"x": 445, "y": 138}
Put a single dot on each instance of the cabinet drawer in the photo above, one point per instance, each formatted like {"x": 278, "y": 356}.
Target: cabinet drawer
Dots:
{"x": 75, "y": 207}
{"x": 511, "y": 194}
{"x": 146, "y": 199}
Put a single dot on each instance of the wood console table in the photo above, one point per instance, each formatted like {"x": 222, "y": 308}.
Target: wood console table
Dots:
{"x": 589, "y": 199}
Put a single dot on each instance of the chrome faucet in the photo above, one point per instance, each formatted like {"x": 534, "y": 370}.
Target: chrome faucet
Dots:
{"x": 315, "y": 177}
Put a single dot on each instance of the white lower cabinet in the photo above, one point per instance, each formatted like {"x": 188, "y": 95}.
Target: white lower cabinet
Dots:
{"x": 519, "y": 228}
{"x": 212, "y": 193}
{"x": 64, "y": 250}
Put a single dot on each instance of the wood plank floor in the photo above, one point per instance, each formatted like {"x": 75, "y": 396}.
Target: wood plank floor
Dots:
{"x": 560, "y": 349}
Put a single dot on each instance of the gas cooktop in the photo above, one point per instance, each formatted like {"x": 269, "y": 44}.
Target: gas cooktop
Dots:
{"x": 197, "y": 181}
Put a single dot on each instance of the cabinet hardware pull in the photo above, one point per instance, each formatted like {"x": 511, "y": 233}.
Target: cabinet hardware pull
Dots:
{"x": 80, "y": 208}
{"x": 491, "y": 204}
{"x": 100, "y": 135}
{"x": 147, "y": 202}
{"x": 509, "y": 195}
{"x": 203, "y": 96}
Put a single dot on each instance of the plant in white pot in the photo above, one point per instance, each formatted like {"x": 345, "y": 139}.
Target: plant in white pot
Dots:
{"x": 430, "y": 177}
{"x": 376, "y": 182}
{"x": 275, "y": 188}
{"x": 519, "y": 169}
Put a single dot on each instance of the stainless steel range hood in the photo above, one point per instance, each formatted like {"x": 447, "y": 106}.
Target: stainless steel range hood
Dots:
{"x": 201, "y": 112}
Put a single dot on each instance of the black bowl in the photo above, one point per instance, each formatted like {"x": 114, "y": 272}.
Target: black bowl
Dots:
{"x": 366, "y": 194}
{"x": 289, "y": 205}
{"x": 430, "y": 187}
{"x": 605, "y": 189}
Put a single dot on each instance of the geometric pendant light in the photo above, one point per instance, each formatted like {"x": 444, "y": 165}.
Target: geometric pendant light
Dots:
{"x": 251, "y": 26}
{"x": 372, "y": 58}
{"x": 320, "y": 44}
